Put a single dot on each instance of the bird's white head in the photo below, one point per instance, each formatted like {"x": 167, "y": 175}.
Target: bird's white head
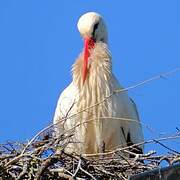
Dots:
{"x": 93, "y": 29}
{"x": 92, "y": 25}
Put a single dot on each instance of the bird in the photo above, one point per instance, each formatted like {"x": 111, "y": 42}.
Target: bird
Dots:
{"x": 99, "y": 119}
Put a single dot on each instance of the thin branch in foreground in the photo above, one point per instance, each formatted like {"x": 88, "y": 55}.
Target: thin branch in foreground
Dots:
{"x": 129, "y": 88}
{"x": 42, "y": 161}
{"x": 166, "y": 147}
{"x": 134, "y": 145}
{"x": 100, "y": 102}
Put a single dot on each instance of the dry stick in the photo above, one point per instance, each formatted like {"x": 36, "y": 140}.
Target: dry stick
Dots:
{"x": 96, "y": 104}
{"x": 80, "y": 168}
{"x": 164, "y": 159}
{"x": 163, "y": 75}
{"x": 120, "y": 91}
{"x": 46, "y": 128}
{"x": 87, "y": 173}
{"x": 17, "y": 159}
{"x": 64, "y": 176}
{"x": 6, "y": 148}
{"x": 127, "y": 147}
{"x": 166, "y": 147}
{"x": 25, "y": 168}
{"x": 36, "y": 136}
{"x": 128, "y": 119}
{"x": 116, "y": 118}
{"x": 45, "y": 164}
{"x": 66, "y": 116}
{"x": 104, "y": 171}
{"x": 123, "y": 177}
{"x": 129, "y": 88}
{"x": 94, "y": 121}
{"x": 77, "y": 169}
{"x": 152, "y": 152}
{"x": 131, "y": 153}
{"x": 61, "y": 170}
{"x": 134, "y": 165}
{"x": 11, "y": 146}
{"x": 176, "y": 160}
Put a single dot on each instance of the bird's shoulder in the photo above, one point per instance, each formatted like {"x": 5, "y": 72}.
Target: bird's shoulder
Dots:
{"x": 69, "y": 91}
{"x": 67, "y": 99}
{"x": 123, "y": 98}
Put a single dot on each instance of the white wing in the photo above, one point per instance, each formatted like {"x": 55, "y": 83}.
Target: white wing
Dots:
{"x": 125, "y": 108}
{"x": 65, "y": 106}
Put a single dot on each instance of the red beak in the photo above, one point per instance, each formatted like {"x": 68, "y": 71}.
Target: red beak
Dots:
{"x": 88, "y": 45}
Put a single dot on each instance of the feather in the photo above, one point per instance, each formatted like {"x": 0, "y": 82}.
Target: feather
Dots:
{"x": 107, "y": 118}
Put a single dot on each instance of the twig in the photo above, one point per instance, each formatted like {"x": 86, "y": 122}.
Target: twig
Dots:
{"x": 167, "y": 147}
{"x": 15, "y": 159}
{"x": 60, "y": 165}
{"x": 134, "y": 145}
{"x": 87, "y": 173}
{"x": 65, "y": 176}
{"x": 36, "y": 136}
{"x": 100, "y": 102}
{"x": 77, "y": 169}
{"x": 24, "y": 171}
{"x": 128, "y": 88}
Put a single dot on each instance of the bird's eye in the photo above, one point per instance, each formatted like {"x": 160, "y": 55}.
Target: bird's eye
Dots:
{"x": 94, "y": 29}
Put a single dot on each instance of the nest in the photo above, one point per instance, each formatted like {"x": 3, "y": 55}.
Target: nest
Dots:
{"x": 43, "y": 157}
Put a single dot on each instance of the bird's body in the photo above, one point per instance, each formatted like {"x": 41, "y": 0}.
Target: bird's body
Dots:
{"x": 102, "y": 122}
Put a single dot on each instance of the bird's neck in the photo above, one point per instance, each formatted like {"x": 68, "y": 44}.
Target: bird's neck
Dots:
{"x": 99, "y": 71}
{"x": 97, "y": 86}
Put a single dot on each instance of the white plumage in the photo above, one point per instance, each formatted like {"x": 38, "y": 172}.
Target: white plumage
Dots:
{"x": 114, "y": 122}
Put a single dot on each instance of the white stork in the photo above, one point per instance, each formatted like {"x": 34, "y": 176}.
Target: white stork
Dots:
{"x": 111, "y": 123}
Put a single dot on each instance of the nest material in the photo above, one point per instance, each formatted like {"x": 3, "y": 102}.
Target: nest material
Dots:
{"x": 44, "y": 158}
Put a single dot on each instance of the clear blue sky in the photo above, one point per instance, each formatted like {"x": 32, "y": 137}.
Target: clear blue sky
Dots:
{"x": 39, "y": 42}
